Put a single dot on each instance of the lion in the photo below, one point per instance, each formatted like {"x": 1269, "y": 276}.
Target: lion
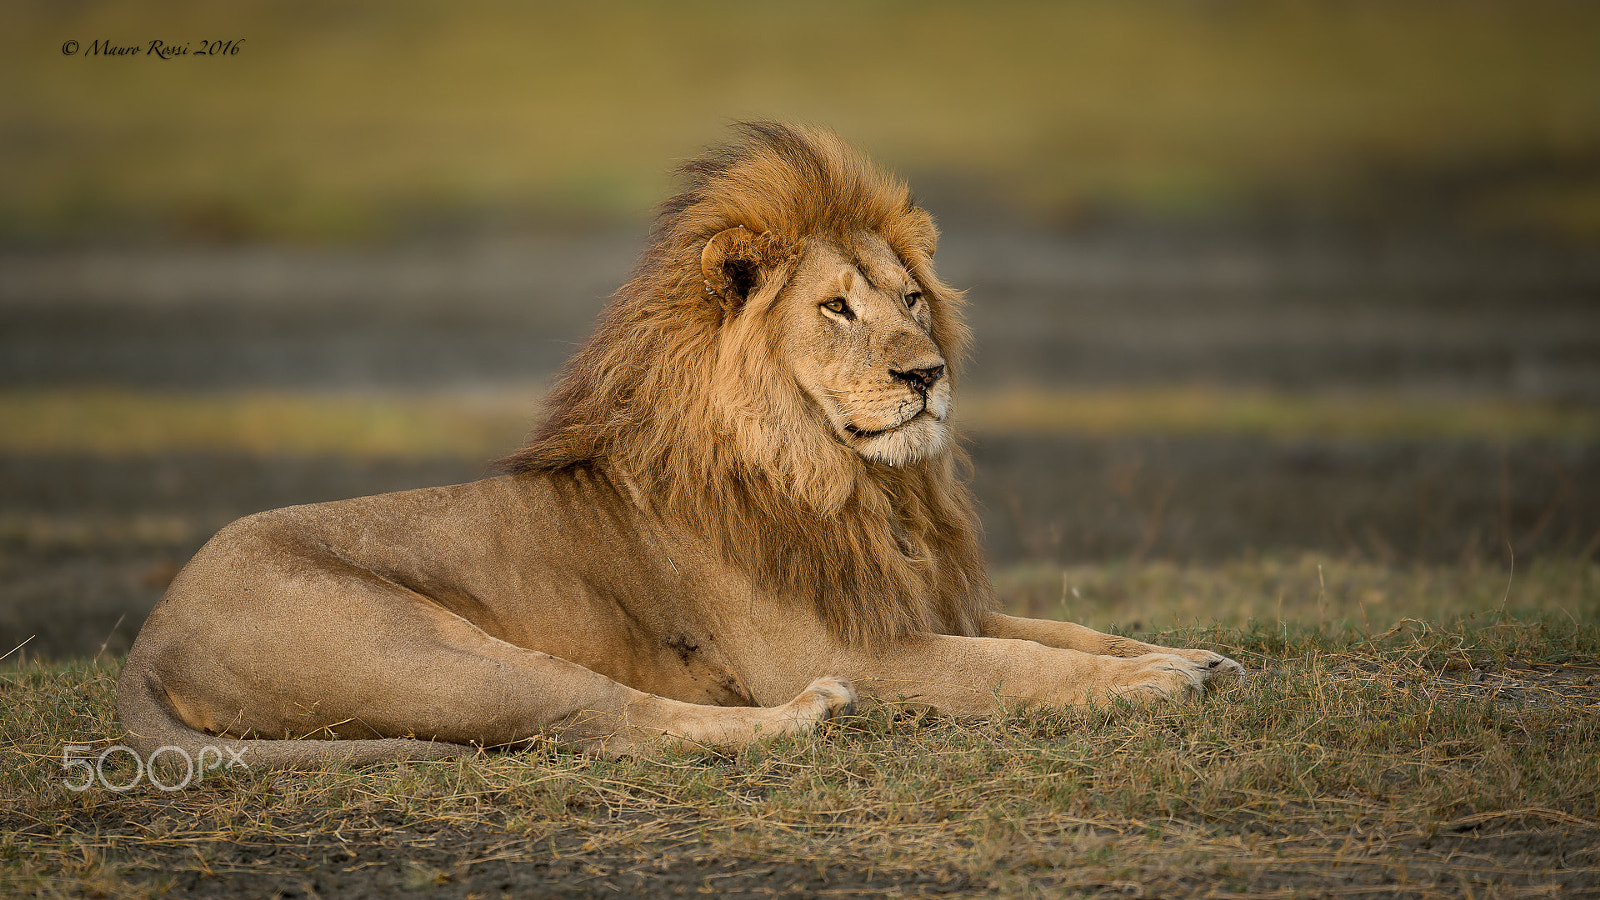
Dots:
{"x": 744, "y": 510}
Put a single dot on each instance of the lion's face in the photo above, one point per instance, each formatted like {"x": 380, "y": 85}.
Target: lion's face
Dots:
{"x": 859, "y": 340}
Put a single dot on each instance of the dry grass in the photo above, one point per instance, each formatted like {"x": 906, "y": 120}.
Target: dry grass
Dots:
{"x": 119, "y": 422}
{"x": 1347, "y": 596}
{"x": 1202, "y": 411}
{"x": 1456, "y": 755}
{"x": 115, "y": 422}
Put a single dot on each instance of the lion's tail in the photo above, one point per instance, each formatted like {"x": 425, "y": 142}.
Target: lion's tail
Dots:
{"x": 151, "y": 724}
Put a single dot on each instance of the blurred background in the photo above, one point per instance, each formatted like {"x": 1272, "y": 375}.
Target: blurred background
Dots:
{"x": 1284, "y": 281}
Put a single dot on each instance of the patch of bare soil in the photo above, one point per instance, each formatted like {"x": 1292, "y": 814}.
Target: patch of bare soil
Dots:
{"x": 1518, "y": 853}
{"x": 488, "y": 865}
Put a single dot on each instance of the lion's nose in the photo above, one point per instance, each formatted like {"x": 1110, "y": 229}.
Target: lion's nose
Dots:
{"x": 921, "y": 379}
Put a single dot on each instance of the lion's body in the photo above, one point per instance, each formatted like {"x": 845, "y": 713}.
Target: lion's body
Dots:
{"x": 745, "y": 499}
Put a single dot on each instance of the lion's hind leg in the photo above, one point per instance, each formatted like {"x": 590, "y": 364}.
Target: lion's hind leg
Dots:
{"x": 377, "y": 661}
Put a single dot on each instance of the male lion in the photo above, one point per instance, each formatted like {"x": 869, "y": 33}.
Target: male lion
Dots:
{"x": 745, "y": 494}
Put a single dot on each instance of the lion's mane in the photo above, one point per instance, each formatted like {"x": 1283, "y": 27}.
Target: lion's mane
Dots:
{"x": 685, "y": 396}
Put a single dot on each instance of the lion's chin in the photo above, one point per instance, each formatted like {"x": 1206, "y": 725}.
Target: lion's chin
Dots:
{"x": 921, "y": 437}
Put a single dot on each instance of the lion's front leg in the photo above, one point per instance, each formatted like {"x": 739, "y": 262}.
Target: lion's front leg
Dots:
{"x": 1071, "y": 636}
{"x": 980, "y": 676}
{"x": 649, "y": 721}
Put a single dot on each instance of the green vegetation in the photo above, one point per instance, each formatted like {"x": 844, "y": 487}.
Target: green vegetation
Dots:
{"x": 1455, "y": 754}
{"x": 345, "y": 121}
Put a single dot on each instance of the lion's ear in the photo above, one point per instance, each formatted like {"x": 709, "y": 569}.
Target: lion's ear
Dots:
{"x": 921, "y": 233}
{"x": 732, "y": 264}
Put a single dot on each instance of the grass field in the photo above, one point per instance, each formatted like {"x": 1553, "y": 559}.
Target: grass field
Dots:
{"x": 1404, "y": 732}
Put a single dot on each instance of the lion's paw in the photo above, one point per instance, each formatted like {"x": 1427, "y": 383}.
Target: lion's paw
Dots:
{"x": 1215, "y": 664}
{"x": 1173, "y": 675}
{"x": 826, "y": 698}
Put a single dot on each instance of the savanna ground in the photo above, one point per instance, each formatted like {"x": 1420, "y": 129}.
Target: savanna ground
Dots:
{"x": 1407, "y": 731}
{"x": 1287, "y": 346}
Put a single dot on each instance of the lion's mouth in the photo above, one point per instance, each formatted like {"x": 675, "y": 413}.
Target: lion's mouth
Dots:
{"x": 868, "y": 434}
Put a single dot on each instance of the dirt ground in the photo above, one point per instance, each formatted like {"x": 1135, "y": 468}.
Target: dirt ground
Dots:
{"x": 448, "y": 862}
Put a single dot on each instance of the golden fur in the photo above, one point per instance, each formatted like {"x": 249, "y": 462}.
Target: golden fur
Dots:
{"x": 779, "y": 498}
{"x": 745, "y": 507}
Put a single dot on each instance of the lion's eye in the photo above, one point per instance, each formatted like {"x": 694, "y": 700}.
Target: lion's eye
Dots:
{"x": 838, "y": 307}
{"x": 912, "y": 298}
